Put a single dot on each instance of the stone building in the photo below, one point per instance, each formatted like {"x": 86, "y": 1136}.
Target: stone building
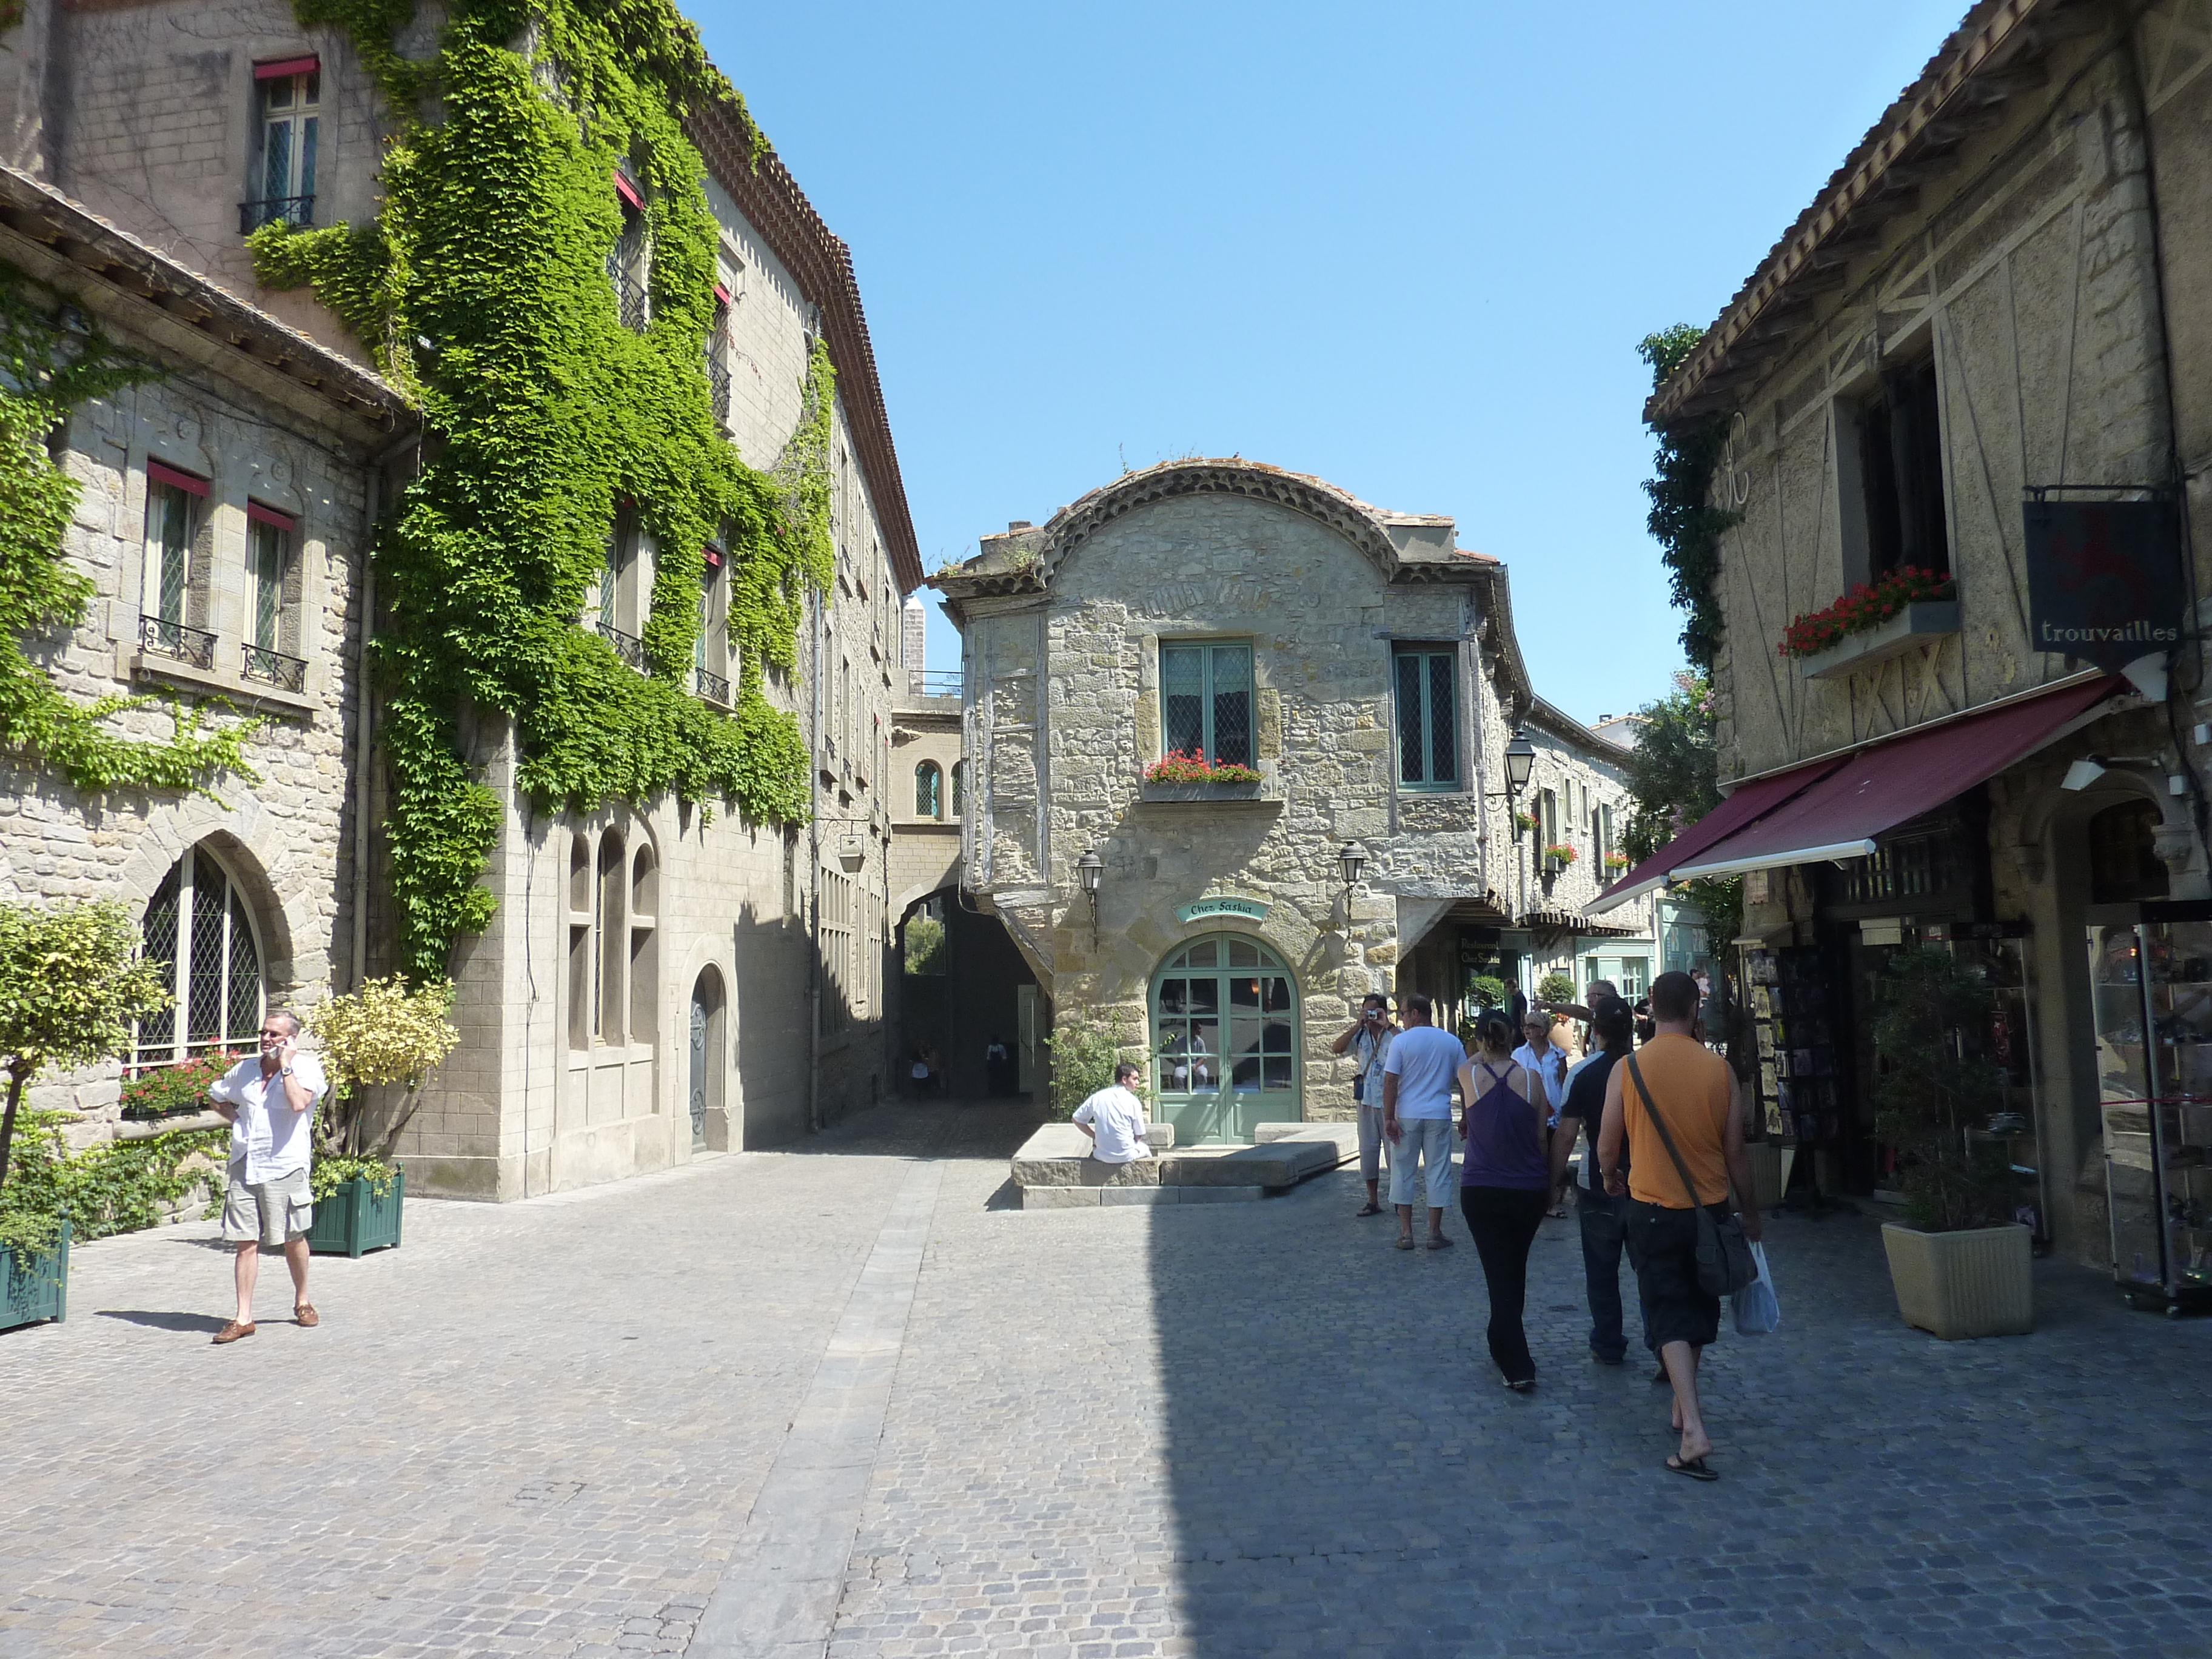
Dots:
{"x": 223, "y": 524}
{"x": 654, "y": 980}
{"x": 1362, "y": 668}
{"x": 1999, "y": 303}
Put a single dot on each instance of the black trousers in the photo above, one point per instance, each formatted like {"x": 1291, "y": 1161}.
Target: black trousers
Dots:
{"x": 1503, "y": 1222}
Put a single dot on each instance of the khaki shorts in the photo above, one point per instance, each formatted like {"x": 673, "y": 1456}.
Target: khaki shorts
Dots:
{"x": 273, "y": 1211}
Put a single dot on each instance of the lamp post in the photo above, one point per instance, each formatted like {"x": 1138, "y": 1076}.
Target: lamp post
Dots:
{"x": 1091, "y": 870}
{"x": 1351, "y": 861}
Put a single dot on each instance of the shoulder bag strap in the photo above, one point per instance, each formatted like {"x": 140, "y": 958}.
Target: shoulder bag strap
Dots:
{"x": 1665, "y": 1139}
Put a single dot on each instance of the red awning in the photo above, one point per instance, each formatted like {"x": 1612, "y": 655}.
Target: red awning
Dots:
{"x": 285, "y": 68}
{"x": 1883, "y": 785}
{"x": 628, "y": 192}
{"x": 1748, "y": 804}
{"x": 157, "y": 472}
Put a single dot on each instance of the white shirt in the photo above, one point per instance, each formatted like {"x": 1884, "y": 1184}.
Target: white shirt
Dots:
{"x": 1426, "y": 1062}
{"x": 1117, "y": 1118}
{"x": 267, "y": 1138}
{"x": 1551, "y": 1066}
{"x": 1374, "y": 1054}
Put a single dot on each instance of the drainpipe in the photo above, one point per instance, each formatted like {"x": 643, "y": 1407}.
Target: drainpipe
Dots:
{"x": 813, "y": 931}
{"x": 365, "y": 705}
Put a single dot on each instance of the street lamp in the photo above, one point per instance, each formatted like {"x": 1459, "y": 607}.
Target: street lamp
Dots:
{"x": 1350, "y": 860}
{"x": 1091, "y": 870}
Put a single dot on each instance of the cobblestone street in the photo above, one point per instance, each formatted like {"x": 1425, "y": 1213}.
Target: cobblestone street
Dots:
{"x": 624, "y": 1418}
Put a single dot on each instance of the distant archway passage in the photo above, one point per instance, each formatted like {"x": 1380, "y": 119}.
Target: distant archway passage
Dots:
{"x": 1225, "y": 1012}
{"x": 708, "y": 1059}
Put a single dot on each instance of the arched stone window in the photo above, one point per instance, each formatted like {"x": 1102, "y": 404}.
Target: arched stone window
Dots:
{"x": 959, "y": 788}
{"x": 928, "y": 790}
{"x": 614, "y": 956}
{"x": 200, "y": 930}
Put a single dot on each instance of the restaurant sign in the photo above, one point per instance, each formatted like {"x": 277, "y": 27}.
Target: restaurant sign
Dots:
{"x": 2104, "y": 579}
{"x": 1250, "y": 909}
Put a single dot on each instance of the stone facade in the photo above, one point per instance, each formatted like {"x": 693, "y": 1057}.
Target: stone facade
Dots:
{"x": 656, "y": 981}
{"x": 272, "y": 859}
{"x": 1063, "y": 629}
{"x": 2023, "y": 225}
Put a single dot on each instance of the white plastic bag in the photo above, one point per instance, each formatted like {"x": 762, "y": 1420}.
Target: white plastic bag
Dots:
{"x": 1758, "y": 1311}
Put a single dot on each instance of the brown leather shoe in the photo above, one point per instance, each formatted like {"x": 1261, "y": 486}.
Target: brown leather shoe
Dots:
{"x": 233, "y": 1331}
{"x": 305, "y": 1315}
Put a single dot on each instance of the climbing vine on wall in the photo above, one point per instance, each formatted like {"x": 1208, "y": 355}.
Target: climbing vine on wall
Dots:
{"x": 52, "y": 360}
{"x": 483, "y": 289}
{"x": 1683, "y": 519}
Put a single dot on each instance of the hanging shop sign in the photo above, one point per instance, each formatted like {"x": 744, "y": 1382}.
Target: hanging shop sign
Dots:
{"x": 2104, "y": 578}
{"x": 1250, "y": 909}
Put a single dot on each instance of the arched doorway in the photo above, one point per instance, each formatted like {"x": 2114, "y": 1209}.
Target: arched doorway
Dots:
{"x": 1225, "y": 1039}
{"x": 708, "y": 1060}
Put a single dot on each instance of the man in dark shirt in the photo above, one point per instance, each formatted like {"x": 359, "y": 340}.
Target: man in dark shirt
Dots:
{"x": 1604, "y": 1218}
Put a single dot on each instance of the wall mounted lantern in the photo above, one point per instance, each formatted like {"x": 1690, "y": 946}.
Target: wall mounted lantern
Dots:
{"x": 1520, "y": 766}
{"x": 1351, "y": 861}
{"x": 1091, "y": 870}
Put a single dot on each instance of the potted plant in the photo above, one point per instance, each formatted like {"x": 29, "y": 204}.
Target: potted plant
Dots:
{"x": 71, "y": 982}
{"x": 1555, "y": 988}
{"x": 1615, "y": 863}
{"x": 1560, "y": 855}
{"x": 387, "y": 1033}
{"x": 1487, "y": 991}
{"x": 1965, "y": 1267}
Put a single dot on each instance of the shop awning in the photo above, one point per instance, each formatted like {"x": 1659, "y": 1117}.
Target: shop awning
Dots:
{"x": 1750, "y": 802}
{"x": 1881, "y": 786}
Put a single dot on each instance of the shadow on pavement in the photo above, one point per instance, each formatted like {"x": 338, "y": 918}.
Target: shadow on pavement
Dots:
{"x": 983, "y": 1129}
{"x": 164, "y": 1321}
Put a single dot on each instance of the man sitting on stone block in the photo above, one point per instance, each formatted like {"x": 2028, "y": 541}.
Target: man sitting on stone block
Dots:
{"x": 1115, "y": 1119}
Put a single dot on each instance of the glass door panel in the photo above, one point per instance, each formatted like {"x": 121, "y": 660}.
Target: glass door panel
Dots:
{"x": 1218, "y": 1078}
{"x": 2116, "y": 994}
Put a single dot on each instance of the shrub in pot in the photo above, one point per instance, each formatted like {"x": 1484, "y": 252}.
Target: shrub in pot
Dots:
{"x": 1963, "y": 1267}
{"x": 388, "y": 1033}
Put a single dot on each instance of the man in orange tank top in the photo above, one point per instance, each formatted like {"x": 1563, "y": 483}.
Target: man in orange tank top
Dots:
{"x": 1699, "y": 1097}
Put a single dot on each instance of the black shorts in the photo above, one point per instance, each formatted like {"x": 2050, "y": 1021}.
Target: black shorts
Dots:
{"x": 1664, "y": 1245}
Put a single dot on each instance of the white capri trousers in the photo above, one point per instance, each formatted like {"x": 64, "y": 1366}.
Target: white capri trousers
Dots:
{"x": 1427, "y": 1140}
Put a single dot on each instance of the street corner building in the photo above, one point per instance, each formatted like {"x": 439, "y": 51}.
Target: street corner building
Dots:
{"x": 1236, "y": 755}
{"x": 1958, "y": 422}
{"x": 656, "y": 971}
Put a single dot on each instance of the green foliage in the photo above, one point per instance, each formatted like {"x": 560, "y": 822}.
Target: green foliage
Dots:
{"x": 1556, "y": 987}
{"x": 385, "y": 1033}
{"x": 1674, "y": 779}
{"x": 1488, "y": 991}
{"x": 50, "y": 362}
{"x": 1934, "y": 1088}
{"x": 163, "y": 1090}
{"x": 483, "y": 290}
{"x": 925, "y": 945}
{"x": 114, "y": 1187}
{"x": 332, "y": 1170}
{"x": 1683, "y": 521}
{"x": 1085, "y": 1053}
{"x": 71, "y": 982}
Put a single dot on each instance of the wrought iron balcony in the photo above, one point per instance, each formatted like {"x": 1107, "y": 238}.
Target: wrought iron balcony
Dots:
{"x": 627, "y": 646}
{"x": 629, "y": 298}
{"x": 276, "y": 668}
{"x": 712, "y": 687}
{"x": 292, "y": 210}
{"x": 718, "y": 383}
{"x": 163, "y": 638}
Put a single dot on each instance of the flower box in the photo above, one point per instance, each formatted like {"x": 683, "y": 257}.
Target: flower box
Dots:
{"x": 353, "y": 1219}
{"x": 1919, "y": 621}
{"x": 1171, "y": 791}
{"x": 1961, "y": 1284}
{"x": 38, "y": 1289}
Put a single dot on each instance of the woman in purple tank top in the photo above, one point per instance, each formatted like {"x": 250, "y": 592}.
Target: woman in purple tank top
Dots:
{"x": 1504, "y": 1182}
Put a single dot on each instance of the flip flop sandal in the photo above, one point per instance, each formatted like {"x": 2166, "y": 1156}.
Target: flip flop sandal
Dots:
{"x": 1694, "y": 1468}
{"x": 1371, "y": 1209}
{"x": 1440, "y": 1242}
{"x": 1405, "y": 1241}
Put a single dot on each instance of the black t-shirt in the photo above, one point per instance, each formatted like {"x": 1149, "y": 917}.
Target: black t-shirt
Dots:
{"x": 1586, "y": 1100}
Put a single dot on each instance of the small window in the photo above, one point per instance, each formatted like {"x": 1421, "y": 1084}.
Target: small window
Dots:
{"x": 628, "y": 259}
{"x": 928, "y": 785}
{"x": 959, "y": 788}
{"x": 272, "y": 600}
{"x": 289, "y": 125}
{"x": 1428, "y": 718}
{"x": 1206, "y": 701}
{"x": 1900, "y": 454}
{"x": 710, "y": 648}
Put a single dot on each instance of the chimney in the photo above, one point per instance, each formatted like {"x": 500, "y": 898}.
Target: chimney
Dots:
{"x": 913, "y": 642}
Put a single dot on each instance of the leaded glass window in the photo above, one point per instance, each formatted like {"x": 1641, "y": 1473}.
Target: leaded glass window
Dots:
{"x": 1428, "y": 718}
{"x": 200, "y": 933}
{"x": 1206, "y": 701}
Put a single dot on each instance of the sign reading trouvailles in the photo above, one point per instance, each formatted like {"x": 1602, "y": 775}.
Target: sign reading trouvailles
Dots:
{"x": 2104, "y": 579}
{"x": 1250, "y": 909}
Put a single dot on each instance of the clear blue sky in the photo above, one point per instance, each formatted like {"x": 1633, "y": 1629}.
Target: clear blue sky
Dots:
{"x": 1410, "y": 247}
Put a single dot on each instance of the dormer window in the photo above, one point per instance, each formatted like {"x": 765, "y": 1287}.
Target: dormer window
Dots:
{"x": 288, "y": 93}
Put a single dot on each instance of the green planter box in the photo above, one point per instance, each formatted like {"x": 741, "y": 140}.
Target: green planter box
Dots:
{"x": 38, "y": 1291}
{"x": 353, "y": 1218}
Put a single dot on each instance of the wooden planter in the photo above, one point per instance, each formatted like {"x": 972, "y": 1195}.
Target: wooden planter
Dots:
{"x": 38, "y": 1291}
{"x": 1979, "y": 1283}
{"x": 353, "y": 1219}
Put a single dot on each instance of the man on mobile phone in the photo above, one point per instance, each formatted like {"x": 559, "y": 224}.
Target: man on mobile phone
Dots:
{"x": 1368, "y": 1040}
{"x": 269, "y": 1101}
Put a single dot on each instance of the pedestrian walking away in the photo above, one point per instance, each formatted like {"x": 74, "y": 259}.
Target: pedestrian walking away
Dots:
{"x": 1114, "y": 1118}
{"x": 270, "y": 1103}
{"x": 1368, "y": 1040}
{"x": 1674, "y": 1090}
{"x": 1504, "y": 1181}
{"x": 1417, "y": 1089}
{"x": 1603, "y": 1217}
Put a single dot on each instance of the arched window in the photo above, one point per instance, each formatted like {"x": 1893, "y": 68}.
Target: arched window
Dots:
{"x": 928, "y": 790}
{"x": 1224, "y": 1019}
{"x": 2124, "y": 862}
{"x": 200, "y": 934}
{"x": 959, "y": 789}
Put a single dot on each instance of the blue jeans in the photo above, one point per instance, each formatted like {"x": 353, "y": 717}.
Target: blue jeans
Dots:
{"x": 1605, "y": 1235}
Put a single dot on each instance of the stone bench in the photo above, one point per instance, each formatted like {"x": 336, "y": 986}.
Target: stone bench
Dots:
{"x": 1055, "y": 1169}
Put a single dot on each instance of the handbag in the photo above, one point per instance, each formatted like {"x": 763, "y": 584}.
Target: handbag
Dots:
{"x": 1725, "y": 1265}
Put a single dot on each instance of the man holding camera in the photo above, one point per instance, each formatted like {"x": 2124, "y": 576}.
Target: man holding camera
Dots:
{"x": 1369, "y": 1041}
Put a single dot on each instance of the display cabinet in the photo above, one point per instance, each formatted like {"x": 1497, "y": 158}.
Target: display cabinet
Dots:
{"x": 1998, "y": 953}
{"x": 2150, "y": 986}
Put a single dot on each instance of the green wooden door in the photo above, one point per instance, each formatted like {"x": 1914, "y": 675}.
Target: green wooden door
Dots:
{"x": 1224, "y": 1040}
